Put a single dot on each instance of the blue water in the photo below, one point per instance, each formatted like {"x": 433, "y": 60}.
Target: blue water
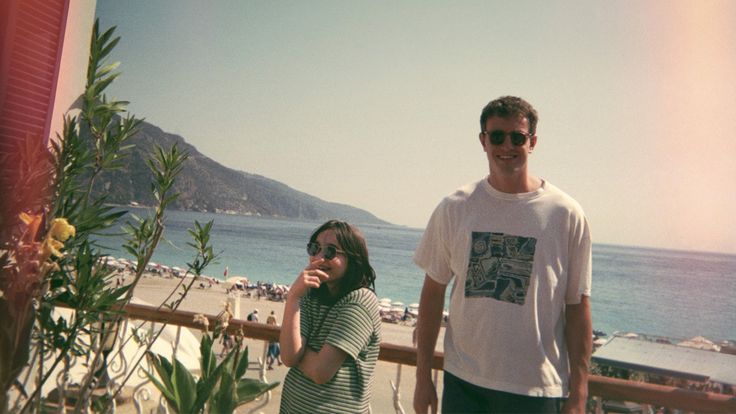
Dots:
{"x": 658, "y": 292}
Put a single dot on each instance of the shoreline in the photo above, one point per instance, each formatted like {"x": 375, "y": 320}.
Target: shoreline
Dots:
{"x": 390, "y": 315}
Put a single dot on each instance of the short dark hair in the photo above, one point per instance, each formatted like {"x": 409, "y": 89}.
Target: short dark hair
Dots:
{"x": 359, "y": 273}
{"x": 508, "y": 107}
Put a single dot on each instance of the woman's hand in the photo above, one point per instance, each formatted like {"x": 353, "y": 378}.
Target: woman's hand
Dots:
{"x": 310, "y": 277}
{"x": 292, "y": 343}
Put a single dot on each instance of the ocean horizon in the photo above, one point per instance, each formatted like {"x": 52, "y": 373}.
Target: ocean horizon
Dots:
{"x": 660, "y": 292}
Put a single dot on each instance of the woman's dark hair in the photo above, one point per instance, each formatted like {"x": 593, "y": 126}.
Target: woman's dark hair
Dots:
{"x": 359, "y": 273}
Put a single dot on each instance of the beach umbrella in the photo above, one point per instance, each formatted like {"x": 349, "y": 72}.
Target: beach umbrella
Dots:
{"x": 385, "y": 300}
{"x": 398, "y": 304}
{"x": 414, "y": 305}
{"x": 235, "y": 280}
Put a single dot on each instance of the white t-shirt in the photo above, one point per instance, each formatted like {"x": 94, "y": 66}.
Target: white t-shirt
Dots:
{"x": 516, "y": 261}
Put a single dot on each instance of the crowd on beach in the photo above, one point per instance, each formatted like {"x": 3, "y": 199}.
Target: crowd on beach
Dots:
{"x": 269, "y": 291}
{"x": 391, "y": 312}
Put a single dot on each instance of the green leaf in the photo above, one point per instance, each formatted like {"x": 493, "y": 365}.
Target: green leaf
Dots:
{"x": 185, "y": 388}
{"x": 225, "y": 400}
{"x": 249, "y": 389}
{"x": 242, "y": 366}
{"x": 165, "y": 391}
{"x": 164, "y": 369}
{"x": 208, "y": 361}
{"x": 107, "y": 69}
{"x": 206, "y": 386}
{"x": 107, "y": 49}
{"x": 105, "y": 37}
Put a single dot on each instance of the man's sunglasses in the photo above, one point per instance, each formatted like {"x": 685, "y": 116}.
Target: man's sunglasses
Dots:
{"x": 497, "y": 137}
{"x": 331, "y": 251}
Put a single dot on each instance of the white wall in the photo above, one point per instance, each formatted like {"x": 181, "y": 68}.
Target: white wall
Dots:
{"x": 74, "y": 57}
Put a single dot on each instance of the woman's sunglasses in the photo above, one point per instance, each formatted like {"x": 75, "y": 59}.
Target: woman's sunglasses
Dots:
{"x": 331, "y": 251}
{"x": 497, "y": 137}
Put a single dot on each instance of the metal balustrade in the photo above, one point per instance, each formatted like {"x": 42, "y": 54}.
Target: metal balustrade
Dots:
{"x": 599, "y": 387}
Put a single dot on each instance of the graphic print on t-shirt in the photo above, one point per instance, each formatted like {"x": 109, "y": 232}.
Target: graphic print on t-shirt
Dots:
{"x": 500, "y": 266}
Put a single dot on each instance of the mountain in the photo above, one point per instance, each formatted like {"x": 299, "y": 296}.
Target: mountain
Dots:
{"x": 205, "y": 185}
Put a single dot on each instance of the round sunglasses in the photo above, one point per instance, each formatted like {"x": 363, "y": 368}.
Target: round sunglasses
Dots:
{"x": 497, "y": 137}
{"x": 331, "y": 251}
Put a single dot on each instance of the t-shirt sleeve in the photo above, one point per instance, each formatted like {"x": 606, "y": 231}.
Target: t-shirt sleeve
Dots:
{"x": 433, "y": 253}
{"x": 580, "y": 262}
{"x": 352, "y": 329}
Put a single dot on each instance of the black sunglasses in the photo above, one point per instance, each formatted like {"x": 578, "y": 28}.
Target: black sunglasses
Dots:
{"x": 497, "y": 137}
{"x": 331, "y": 251}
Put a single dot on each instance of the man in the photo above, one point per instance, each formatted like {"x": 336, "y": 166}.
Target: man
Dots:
{"x": 274, "y": 349}
{"x": 253, "y": 316}
{"x": 518, "y": 338}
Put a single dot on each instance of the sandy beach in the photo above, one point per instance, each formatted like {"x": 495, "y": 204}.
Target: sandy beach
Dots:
{"x": 153, "y": 289}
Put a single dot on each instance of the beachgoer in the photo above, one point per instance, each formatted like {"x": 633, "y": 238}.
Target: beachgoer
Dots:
{"x": 518, "y": 337}
{"x": 274, "y": 354}
{"x": 331, "y": 330}
{"x": 253, "y": 316}
{"x": 227, "y": 344}
{"x": 271, "y": 320}
{"x": 274, "y": 349}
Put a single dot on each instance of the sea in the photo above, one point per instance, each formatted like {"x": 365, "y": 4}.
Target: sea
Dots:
{"x": 668, "y": 293}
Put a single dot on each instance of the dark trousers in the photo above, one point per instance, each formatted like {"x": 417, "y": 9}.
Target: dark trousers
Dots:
{"x": 463, "y": 397}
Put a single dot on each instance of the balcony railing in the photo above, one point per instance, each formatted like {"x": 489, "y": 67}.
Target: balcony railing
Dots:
{"x": 602, "y": 387}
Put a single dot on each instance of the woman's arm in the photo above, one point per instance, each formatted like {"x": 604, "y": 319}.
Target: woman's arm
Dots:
{"x": 290, "y": 339}
{"x": 321, "y": 367}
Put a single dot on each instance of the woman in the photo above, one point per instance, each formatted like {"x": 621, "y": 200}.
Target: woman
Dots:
{"x": 330, "y": 335}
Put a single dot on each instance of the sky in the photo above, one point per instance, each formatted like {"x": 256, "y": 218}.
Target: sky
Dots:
{"x": 376, "y": 104}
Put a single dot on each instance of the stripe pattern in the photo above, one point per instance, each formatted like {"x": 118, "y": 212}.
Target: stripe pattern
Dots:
{"x": 353, "y": 325}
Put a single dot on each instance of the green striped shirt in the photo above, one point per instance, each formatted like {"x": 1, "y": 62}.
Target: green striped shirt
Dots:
{"x": 352, "y": 325}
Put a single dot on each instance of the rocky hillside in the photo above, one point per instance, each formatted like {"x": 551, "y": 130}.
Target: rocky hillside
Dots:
{"x": 205, "y": 185}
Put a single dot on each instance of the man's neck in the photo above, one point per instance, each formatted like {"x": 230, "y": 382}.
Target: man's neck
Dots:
{"x": 515, "y": 184}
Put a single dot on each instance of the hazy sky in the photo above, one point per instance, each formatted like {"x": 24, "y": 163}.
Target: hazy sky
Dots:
{"x": 376, "y": 104}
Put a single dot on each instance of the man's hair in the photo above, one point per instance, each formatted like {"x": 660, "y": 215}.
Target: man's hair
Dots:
{"x": 510, "y": 107}
{"x": 359, "y": 273}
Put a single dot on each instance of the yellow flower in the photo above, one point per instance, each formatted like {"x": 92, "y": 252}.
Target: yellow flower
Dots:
{"x": 59, "y": 232}
{"x": 61, "y": 229}
{"x": 51, "y": 247}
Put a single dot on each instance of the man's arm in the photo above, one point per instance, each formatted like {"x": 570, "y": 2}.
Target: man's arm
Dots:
{"x": 579, "y": 338}
{"x": 431, "y": 304}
